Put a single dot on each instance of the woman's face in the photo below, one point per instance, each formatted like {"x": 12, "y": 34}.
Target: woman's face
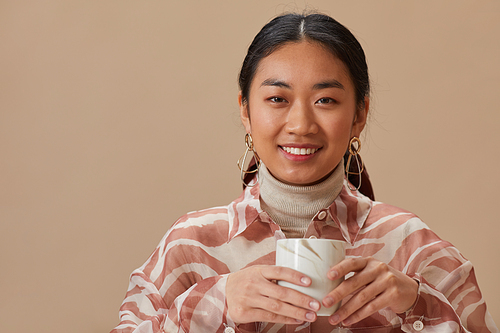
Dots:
{"x": 301, "y": 112}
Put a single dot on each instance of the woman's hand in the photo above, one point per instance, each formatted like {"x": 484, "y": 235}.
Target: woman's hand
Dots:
{"x": 252, "y": 295}
{"x": 374, "y": 286}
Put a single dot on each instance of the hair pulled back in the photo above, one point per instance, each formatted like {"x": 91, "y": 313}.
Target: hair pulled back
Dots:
{"x": 319, "y": 28}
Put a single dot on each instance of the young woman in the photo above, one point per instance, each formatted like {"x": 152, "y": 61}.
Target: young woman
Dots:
{"x": 304, "y": 101}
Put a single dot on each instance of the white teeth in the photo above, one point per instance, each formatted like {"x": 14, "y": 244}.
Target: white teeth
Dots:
{"x": 300, "y": 151}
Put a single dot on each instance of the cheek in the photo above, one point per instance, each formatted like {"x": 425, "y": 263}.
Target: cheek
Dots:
{"x": 258, "y": 131}
{"x": 264, "y": 124}
{"x": 262, "y": 136}
{"x": 339, "y": 130}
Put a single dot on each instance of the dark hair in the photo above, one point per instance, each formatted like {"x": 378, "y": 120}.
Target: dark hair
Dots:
{"x": 320, "y": 28}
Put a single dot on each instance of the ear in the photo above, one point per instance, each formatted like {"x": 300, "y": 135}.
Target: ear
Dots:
{"x": 360, "y": 119}
{"x": 244, "y": 115}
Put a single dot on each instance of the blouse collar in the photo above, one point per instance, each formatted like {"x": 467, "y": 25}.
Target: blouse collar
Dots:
{"x": 348, "y": 212}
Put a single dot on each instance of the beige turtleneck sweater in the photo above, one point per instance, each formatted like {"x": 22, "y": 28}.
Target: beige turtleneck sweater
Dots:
{"x": 293, "y": 207}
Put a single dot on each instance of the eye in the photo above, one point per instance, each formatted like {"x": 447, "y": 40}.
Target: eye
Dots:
{"x": 325, "y": 100}
{"x": 277, "y": 100}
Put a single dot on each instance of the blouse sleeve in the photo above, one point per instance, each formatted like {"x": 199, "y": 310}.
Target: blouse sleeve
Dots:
{"x": 201, "y": 308}
{"x": 180, "y": 288}
{"x": 449, "y": 298}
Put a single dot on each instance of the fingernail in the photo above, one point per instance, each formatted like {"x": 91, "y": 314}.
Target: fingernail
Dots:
{"x": 332, "y": 275}
{"x": 298, "y": 321}
{"x": 314, "y": 305}
{"x": 328, "y": 301}
{"x": 334, "y": 320}
{"x": 305, "y": 280}
{"x": 310, "y": 316}
{"x": 346, "y": 322}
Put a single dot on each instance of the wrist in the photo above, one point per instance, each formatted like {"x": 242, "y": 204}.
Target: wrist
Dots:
{"x": 415, "y": 298}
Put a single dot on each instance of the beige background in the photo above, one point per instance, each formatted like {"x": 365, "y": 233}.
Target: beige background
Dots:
{"x": 117, "y": 117}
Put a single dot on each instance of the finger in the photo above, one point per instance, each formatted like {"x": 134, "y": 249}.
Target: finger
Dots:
{"x": 361, "y": 305}
{"x": 284, "y": 302}
{"x": 290, "y": 296}
{"x": 346, "y": 266}
{"x": 286, "y": 274}
{"x": 365, "y": 311}
{"x": 349, "y": 286}
{"x": 284, "y": 309}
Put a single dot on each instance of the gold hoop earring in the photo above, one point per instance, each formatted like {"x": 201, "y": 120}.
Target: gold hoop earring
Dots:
{"x": 354, "y": 148}
{"x": 252, "y": 168}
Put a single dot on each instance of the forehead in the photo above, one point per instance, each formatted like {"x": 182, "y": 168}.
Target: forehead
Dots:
{"x": 302, "y": 62}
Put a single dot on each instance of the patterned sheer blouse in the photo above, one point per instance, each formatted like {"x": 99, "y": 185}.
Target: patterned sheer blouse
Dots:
{"x": 181, "y": 287}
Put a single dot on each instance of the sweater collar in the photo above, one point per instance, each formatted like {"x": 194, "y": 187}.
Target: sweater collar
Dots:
{"x": 295, "y": 206}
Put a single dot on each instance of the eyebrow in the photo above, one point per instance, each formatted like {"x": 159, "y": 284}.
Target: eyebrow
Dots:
{"x": 329, "y": 84}
{"x": 318, "y": 86}
{"x": 275, "y": 83}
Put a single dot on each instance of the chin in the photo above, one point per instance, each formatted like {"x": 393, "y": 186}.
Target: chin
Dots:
{"x": 297, "y": 177}
{"x": 300, "y": 182}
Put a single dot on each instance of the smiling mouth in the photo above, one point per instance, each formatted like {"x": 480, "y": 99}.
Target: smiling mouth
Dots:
{"x": 300, "y": 151}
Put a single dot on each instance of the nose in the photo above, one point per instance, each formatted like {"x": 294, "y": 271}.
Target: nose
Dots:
{"x": 301, "y": 120}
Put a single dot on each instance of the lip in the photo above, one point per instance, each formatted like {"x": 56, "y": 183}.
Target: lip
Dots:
{"x": 299, "y": 158}
{"x": 300, "y": 145}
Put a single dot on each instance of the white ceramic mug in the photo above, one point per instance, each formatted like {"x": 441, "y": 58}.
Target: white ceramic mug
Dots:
{"x": 313, "y": 257}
